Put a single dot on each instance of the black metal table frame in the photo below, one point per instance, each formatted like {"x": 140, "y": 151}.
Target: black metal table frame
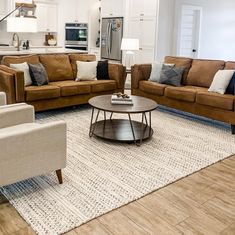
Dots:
{"x": 144, "y": 118}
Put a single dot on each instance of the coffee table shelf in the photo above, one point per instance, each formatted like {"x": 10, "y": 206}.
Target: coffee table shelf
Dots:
{"x": 123, "y": 130}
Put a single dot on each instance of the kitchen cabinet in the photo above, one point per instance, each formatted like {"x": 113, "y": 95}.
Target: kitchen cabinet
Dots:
{"x": 140, "y": 8}
{"x": 3, "y": 8}
{"x": 47, "y": 17}
{"x": 112, "y": 8}
{"x": 142, "y": 25}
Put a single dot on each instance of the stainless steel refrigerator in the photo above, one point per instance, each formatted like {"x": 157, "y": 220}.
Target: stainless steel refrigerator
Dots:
{"x": 111, "y": 38}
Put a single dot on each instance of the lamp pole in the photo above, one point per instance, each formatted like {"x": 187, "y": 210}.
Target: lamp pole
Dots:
{"x": 12, "y": 12}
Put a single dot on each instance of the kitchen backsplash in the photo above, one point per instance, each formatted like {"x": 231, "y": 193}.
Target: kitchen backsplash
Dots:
{"x": 36, "y": 39}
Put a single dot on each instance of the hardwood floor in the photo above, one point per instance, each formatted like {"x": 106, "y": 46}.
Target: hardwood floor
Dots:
{"x": 203, "y": 203}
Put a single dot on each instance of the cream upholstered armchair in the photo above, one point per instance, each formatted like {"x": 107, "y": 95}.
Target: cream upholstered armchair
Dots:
{"x": 29, "y": 149}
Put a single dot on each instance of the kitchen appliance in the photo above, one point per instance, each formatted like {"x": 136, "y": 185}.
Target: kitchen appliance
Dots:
{"x": 111, "y": 38}
{"x": 76, "y": 36}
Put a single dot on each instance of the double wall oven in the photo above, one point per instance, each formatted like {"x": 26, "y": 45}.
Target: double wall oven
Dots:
{"x": 76, "y": 36}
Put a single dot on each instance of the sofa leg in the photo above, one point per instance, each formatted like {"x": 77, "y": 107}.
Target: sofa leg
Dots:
{"x": 233, "y": 129}
{"x": 59, "y": 176}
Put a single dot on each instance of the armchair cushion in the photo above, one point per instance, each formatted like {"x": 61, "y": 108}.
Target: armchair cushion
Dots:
{"x": 3, "y": 99}
{"x": 43, "y": 149}
{"x": 15, "y": 114}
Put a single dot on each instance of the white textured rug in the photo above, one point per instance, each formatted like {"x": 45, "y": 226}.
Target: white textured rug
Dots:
{"x": 101, "y": 176}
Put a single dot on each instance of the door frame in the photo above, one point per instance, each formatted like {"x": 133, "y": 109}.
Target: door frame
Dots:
{"x": 190, "y": 7}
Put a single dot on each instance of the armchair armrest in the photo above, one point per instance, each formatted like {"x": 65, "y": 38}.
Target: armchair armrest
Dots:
{"x": 3, "y": 100}
{"x": 139, "y": 72}
{"x": 15, "y": 114}
{"x": 42, "y": 150}
{"x": 117, "y": 72}
{"x": 13, "y": 84}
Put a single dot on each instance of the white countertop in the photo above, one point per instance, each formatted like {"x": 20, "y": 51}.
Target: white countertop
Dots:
{"x": 41, "y": 50}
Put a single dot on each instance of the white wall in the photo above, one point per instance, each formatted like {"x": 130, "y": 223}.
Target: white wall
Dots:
{"x": 218, "y": 28}
{"x": 165, "y": 29}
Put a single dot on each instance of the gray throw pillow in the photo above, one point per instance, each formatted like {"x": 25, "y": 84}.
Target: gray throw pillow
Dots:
{"x": 38, "y": 74}
{"x": 171, "y": 75}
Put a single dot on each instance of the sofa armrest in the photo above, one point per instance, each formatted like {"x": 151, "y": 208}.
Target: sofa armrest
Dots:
{"x": 139, "y": 72}
{"x": 17, "y": 83}
{"x": 15, "y": 114}
{"x": 117, "y": 72}
{"x": 42, "y": 150}
{"x": 3, "y": 99}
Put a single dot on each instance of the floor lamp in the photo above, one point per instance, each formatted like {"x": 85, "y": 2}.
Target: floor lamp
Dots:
{"x": 129, "y": 45}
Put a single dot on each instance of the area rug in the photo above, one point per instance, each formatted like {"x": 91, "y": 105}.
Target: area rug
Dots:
{"x": 101, "y": 176}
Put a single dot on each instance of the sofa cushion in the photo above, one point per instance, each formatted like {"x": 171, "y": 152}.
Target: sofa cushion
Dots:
{"x": 152, "y": 87}
{"x": 58, "y": 67}
{"x": 185, "y": 93}
{"x": 215, "y": 100}
{"x": 33, "y": 93}
{"x": 202, "y": 72}
{"x": 79, "y": 57}
{"x": 229, "y": 65}
{"x": 32, "y": 59}
{"x": 103, "y": 85}
{"x": 180, "y": 62}
{"x": 69, "y": 88}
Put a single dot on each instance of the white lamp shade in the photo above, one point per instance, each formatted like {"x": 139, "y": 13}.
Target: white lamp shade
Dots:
{"x": 21, "y": 25}
{"x": 130, "y": 44}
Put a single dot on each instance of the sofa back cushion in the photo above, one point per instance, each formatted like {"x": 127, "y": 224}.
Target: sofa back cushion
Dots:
{"x": 180, "y": 62}
{"x": 202, "y": 72}
{"x": 57, "y": 66}
{"x": 80, "y": 57}
{"x": 31, "y": 59}
{"x": 229, "y": 65}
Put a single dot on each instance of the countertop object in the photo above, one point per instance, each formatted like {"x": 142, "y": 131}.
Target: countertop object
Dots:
{"x": 41, "y": 50}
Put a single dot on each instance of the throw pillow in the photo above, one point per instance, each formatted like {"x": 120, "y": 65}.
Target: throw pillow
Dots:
{"x": 86, "y": 70}
{"x": 220, "y": 81}
{"x": 38, "y": 74}
{"x": 171, "y": 75}
{"x": 103, "y": 70}
{"x": 230, "y": 89}
{"x": 156, "y": 71}
{"x": 24, "y": 68}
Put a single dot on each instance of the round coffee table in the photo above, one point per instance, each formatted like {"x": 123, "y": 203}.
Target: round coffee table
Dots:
{"x": 124, "y": 130}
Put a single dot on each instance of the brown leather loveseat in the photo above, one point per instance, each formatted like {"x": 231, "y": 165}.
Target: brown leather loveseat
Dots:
{"x": 62, "y": 89}
{"x": 193, "y": 96}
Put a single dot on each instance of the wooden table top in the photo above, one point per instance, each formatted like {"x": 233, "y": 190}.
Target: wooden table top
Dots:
{"x": 140, "y": 104}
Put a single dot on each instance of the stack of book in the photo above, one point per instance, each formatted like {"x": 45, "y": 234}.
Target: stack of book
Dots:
{"x": 117, "y": 99}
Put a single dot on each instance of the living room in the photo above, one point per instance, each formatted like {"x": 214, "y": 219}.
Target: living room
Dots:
{"x": 117, "y": 117}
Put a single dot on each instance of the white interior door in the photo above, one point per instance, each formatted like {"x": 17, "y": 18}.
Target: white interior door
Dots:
{"x": 189, "y": 32}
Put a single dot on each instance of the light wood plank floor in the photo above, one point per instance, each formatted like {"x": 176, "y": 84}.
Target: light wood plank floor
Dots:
{"x": 203, "y": 203}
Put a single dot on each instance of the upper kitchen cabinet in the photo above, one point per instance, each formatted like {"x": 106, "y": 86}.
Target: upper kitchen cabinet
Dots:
{"x": 3, "y": 8}
{"x": 112, "y": 8}
{"x": 47, "y": 16}
{"x": 140, "y": 8}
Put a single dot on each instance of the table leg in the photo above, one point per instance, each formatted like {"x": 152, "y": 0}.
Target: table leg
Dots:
{"x": 150, "y": 123}
{"x": 92, "y": 115}
{"x": 142, "y": 127}
{"x": 111, "y": 116}
{"x": 93, "y": 129}
{"x": 132, "y": 128}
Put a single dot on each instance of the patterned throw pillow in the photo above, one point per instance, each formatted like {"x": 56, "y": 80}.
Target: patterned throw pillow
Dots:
{"x": 171, "y": 75}
{"x": 156, "y": 71}
{"x": 38, "y": 74}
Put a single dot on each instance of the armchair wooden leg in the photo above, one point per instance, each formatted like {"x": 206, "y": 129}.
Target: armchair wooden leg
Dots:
{"x": 59, "y": 176}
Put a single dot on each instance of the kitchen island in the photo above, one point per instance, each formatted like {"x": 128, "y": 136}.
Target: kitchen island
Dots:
{"x": 50, "y": 50}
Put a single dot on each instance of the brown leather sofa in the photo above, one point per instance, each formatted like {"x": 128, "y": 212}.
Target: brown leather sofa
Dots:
{"x": 193, "y": 96}
{"x": 62, "y": 89}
